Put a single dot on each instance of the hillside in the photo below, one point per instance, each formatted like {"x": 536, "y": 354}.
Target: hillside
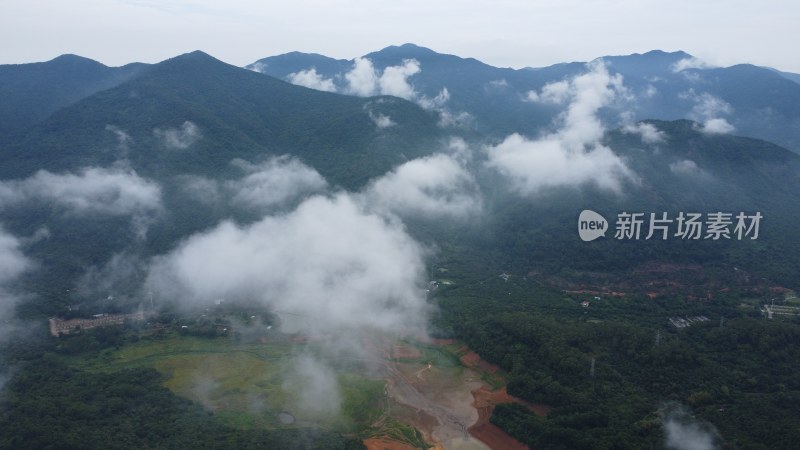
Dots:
{"x": 32, "y": 92}
{"x": 238, "y": 113}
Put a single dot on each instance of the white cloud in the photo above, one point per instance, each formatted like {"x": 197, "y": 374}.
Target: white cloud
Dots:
{"x": 311, "y": 79}
{"x": 683, "y": 432}
{"x": 13, "y": 262}
{"x": 274, "y": 182}
{"x": 499, "y": 85}
{"x": 648, "y": 132}
{"x": 394, "y": 80}
{"x": 689, "y": 63}
{"x": 555, "y": 93}
{"x": 434, "y": 186}
{"x": 329, "y": 262}
{"x": 271, "y": 183}
{"x": 258, "y": 67}
{"x": 706, "y": 105}
{"x": 114, "y": 192}
{"x": 707, "y": 109}
{"x": 380, "y": 120}
{"x": 685, "y": 167}
{"x": 437, "y": 102}
{"x": 362, "y": 79}
{"x": 717, "y": 126}
{"x": 92, "y": 190}
{"x": 201, "y": 189}
{"x": 573, "y": 154}
{"x": 448, "y": 119}
{"x": 650, "y": 91}
{"x": 179, "y": 138}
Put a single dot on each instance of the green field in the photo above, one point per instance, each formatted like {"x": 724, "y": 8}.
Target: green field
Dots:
{"x": 245, "y": 385}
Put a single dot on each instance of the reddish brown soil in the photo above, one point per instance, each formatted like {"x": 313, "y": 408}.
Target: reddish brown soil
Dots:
{"x": 386, "y": 444}
{"x": 489, "y": 434}
{"x": 474, "y": 361}
{"x": 495, "y": 438}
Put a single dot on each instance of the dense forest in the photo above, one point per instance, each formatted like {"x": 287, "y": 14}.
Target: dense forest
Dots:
{"x": 609, "y": 370}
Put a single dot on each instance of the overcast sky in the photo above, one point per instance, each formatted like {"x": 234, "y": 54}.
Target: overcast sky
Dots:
{"x": 513, "y": 33}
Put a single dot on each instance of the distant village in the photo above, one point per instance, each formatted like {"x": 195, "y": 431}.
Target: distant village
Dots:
{"x": 62, "y": 326}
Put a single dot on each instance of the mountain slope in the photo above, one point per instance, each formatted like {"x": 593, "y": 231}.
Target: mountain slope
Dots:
{"x": 234, "y": 113}
{"x": 32, "y": 92}
{"x": 188, "y": 118}
{"x": 689, "y": 172}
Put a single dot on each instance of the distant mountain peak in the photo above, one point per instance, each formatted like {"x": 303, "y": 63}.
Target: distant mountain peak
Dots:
{"x": 196, "y": 55}
{"x": 69, "y": 58}
{"x": 407, "y": 48}
{"x": 192, "y": 58}
{"x": 678, "y": 53}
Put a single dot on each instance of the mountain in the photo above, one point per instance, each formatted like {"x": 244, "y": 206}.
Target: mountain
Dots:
{"x": 32, "y": 92}
{"x": 490, "y": 94}
{"x": 689, "y": 171}
{"x": 757, "y": 102}
{"x": 283, "y": 65}
{"x": 238, "y": 113}
{"x": 194, "y": 117}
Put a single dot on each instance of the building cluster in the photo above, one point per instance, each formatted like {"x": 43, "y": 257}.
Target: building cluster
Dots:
{"x": 62, "y": 326}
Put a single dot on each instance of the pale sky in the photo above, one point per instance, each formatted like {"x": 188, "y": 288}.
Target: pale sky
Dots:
{"x": 506, "y": 33}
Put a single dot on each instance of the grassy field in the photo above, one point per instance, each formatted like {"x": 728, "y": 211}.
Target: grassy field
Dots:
{"x": 244, "y": 384}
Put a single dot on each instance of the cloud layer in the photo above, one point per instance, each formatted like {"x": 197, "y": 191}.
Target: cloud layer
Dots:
{"x": 708, "y": 110}
{"x": 435, "y": 186}
{"x": 689, "y": 63}
{"x": 179, "y": 138}
{"x": 311, "y": 79}
{"x": 683, "y": 432}
{"x": 92, "y": 190}
{"x": 573, "y": 154}
{"x": 364, "y": 80}
{"x": 647, "y": 131}
{"x": 328, "y": 261}
{"x": 274, "y": 182}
